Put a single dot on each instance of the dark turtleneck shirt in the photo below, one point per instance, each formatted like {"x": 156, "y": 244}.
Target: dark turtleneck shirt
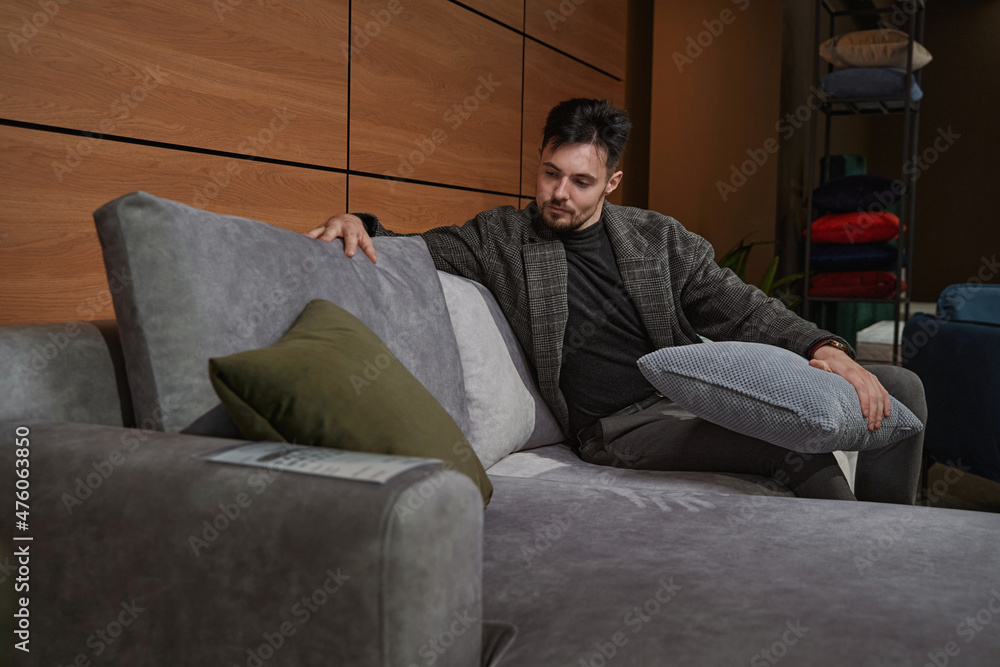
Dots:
{"x": 604, "y": 333}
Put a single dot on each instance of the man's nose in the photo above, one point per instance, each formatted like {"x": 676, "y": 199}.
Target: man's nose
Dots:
{"x": 560, "y": 191}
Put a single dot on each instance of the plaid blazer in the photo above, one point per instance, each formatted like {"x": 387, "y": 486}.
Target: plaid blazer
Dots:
{"x": 669, "y": 272}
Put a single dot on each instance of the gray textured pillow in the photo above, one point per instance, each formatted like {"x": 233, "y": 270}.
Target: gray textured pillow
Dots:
{"x": 772, "y": 394}
{"x": 506, "y": 410}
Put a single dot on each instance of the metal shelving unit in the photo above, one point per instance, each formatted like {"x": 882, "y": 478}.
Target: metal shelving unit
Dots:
{"x": 905, "y": 106}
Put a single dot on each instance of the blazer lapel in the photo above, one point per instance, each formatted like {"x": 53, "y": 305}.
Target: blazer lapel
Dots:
{"x": 545, "y": 271}
{"x": 645, "y": 273}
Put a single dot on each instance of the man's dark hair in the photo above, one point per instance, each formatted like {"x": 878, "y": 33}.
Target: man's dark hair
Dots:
{"x": 585, "y": 121}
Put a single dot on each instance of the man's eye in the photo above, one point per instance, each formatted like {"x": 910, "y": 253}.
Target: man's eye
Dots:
{"x": 582, "y": 184}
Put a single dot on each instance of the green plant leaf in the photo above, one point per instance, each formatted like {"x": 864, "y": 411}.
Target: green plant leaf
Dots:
{"x": 768, "y": 283}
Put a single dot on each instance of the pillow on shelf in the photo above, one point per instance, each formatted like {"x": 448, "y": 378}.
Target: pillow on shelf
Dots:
{"x": 852, "y": 193}
{"x": 855, "y": 284}
{"x": 773, "y": 394}
{"x": 873, "y": 48}
{"x": 331, "y": 382}
{"x": 869, "y": 82}
{"x": 854, "y": 257}
{"x": 860, "y": 227}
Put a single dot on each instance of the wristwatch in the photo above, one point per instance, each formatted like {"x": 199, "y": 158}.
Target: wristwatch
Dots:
{"x": 831, "y": 342}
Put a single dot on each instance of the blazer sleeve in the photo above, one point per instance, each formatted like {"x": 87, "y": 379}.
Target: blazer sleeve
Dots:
{"x": 461, "y": 250}
{"x": 720, "y": 306}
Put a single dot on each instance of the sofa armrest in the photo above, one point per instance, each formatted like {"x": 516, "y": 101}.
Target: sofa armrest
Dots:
{"x": 144, "y": 553}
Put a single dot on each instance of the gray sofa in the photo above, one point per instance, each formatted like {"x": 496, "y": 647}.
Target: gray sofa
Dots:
{"x": 144, "y": 553}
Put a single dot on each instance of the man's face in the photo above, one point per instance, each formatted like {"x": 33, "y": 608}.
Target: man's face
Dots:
{"x": 571, "y": 187}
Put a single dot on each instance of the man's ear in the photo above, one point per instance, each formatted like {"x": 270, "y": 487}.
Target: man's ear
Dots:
{"x": 613, "y": 182}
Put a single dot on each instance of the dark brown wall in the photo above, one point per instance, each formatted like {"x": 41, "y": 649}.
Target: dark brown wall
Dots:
{"x": 706, "y": 115}
{"x": 957, "y": 221}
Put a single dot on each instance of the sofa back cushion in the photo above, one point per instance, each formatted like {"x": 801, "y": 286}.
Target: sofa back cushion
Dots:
{"x": 64, "y": 371}
{"x": 970, "y": 302}
{"x": 188, "y": 285}
{"x": 506, "y": 409}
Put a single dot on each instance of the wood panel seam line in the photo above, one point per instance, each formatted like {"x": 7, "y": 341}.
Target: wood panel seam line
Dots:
{"x": 249, "y": 158}
{"x": 486, "y": 16}
{"x": 446, "y": 186}
{"x": 524, "y": 63}
{"x": 55, "y": 129}
{"x": 572, "y": 57}
{"x": 524, "y": 34}
{"x": 350, "y": 59}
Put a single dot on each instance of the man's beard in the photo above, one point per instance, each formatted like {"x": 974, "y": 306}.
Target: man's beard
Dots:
{"x": 567, "y": 222}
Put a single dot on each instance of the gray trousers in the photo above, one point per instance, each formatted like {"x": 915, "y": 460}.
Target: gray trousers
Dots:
{"x": 666, "y": 437}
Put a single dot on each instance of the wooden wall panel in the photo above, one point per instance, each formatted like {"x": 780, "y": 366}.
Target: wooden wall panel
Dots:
{"x": 411, "y": 207}
{"x": 436, "y": 96}
{"x": 550, "y": 78}
{"x": 51, "y": 268}
{"x": 593, "y": 31}
{"x": 510, "y": 12}
{"x": 191, "y": 72}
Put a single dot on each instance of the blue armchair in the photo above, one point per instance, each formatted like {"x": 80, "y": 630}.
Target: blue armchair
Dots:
{"x": 957, "y": 356}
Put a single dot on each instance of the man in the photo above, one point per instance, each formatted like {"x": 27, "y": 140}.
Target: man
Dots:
{"x": 588, "y": 287}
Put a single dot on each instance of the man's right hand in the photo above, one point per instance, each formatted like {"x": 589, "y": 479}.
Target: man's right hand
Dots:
{"x": 348, "y": 227}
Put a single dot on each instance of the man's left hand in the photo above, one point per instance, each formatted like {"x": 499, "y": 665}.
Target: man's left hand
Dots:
{"x": 874, "y": 398}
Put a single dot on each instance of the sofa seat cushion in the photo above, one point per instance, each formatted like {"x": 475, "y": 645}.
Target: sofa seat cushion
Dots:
{"x": 188, "y": 285}
{"x": 582, "y": 571}
{"x": 558, "y": 463}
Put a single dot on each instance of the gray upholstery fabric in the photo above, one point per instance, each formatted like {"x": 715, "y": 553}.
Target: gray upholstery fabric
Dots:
{"x": 772, "y": 394}
{"x": 194, "y": 285}
{"x": 863, "y": 583}
{"x": 114, "y": 513}
{"x": 506, "y": 410}
{"x": 62, "y": 371}
{"x": 677, "y": 489}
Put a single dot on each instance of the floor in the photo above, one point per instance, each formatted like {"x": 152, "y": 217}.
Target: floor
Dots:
{"x": 955, "y": 489}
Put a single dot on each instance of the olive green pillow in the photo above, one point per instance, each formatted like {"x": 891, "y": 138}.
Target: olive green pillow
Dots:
{"x": 330, "y": 381}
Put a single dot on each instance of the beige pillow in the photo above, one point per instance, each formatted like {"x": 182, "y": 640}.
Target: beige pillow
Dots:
{"x": 873, "y": 48}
